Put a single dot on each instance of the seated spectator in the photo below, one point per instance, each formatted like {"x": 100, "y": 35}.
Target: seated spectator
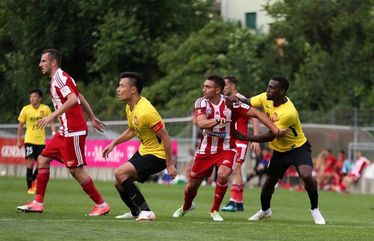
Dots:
{"x": 262, "y": 162}
{"x": 355, "y": 174}
{"x": 330, "y": 173}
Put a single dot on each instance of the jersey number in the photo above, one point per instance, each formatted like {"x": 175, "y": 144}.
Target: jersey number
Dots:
{"x": 28, "y": 150}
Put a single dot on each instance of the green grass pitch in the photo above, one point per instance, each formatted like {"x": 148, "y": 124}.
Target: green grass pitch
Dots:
{"x": 348, "y": 216}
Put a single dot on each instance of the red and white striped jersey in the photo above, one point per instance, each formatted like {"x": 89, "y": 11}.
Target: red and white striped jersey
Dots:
{"x": 218, "y": 138}
{"x": 72, "y": 122}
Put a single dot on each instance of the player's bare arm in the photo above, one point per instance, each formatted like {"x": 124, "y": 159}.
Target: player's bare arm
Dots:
{"x": 125, "y": 136}
{"x": 203, "y": 123}
{"x": 255, "y": 146}
{"x": 72, "y": 100}
{"x": 230, "y": 100}
{"x": 19, "y": 134}
{"x": 96, "y": 123}
{"x": 53, "y": 127}
{"x": 265, "y": 137}
{"x": 166, "y": 142}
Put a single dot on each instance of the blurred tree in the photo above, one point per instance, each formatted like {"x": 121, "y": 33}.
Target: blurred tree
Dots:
{"x": 328, "y": 52}
{"x": 218, "y": 48}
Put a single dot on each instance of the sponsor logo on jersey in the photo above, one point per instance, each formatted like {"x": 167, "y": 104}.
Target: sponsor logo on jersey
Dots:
{"x": 220, "y": 134}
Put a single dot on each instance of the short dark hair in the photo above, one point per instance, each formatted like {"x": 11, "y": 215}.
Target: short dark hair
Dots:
{"x": 54, "y": 54}
{"x": 135, "y": 80}
{"x": 218, "y": 80}
{"x": 231, "y": 79}
{"x": 38, "y": 91}
{"x": 283, "y": 81}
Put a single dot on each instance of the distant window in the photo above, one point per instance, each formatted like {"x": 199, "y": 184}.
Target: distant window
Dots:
{"x": 250, "y": 20}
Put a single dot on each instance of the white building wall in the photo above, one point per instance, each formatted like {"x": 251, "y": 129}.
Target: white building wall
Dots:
{"x": 235, "y": 10}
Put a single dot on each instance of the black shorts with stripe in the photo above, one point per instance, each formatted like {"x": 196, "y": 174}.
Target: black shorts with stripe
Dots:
{"x": 281, "y": 161}
{"x": 147, "y": 165}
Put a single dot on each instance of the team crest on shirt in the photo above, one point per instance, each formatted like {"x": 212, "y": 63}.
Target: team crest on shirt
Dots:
{"x": 42, "y": 113}
{"x": 135, "y": 120}
{"x": 274, "y": 117}
{"x": 208, "y": 111}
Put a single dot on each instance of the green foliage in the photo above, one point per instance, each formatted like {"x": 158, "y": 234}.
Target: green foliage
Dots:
{"x": 218, "y": 48}
{"x": 328, "y": 52}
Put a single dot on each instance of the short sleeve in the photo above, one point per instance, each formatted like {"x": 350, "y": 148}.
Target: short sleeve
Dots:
{"x": 256, "y": 101}
{"x": 65, "y": 91}
{"x": 22, "y": 116}
{"x": 240, "y": 109}
{"x": 154, "y": 120}
{"x": 200, "y": 107}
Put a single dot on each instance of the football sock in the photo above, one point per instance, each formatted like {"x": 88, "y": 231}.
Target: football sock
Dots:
{"x": 134, "y": 194}
{"x": 126, "y": 199}
{"x": 189, "y": 196}
{"x": 219, "y": 194}
{"x": 29, "y": 177}
{"x": 41, "y": 184}
{"x": 237, "y": 192}
{"x": 35, "y": 174}
{"x": 266, "y": 195}
{"x": 311, "y": 188}
{"x": 89, "y": 187}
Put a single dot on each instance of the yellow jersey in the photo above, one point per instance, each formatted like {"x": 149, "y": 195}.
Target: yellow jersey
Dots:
{"x": 284, "y": 116}
{"x": 145, "y": 119}
{"x": 31, "y": 116}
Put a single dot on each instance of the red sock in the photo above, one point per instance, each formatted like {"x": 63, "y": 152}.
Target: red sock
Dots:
{"x": 41, "y": 184}
{"x": 89, "y": 187}
{"x": 188, "y": 198}
{"x": 219, "y": 194}
{"x": 237, "y": 192}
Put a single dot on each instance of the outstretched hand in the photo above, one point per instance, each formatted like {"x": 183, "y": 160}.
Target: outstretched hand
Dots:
{"x": 98, "y": 124}
{"x": 172, "y": 171}
{"x": 107, "y": 150}
{"x": 230, "y": 100}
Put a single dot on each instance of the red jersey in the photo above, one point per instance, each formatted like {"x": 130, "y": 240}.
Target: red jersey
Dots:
{"x": 242, "y": 125}
{"x": 218, "y": 138}
{"x": 72, "y": 122}
{"x": 330, "y": 162}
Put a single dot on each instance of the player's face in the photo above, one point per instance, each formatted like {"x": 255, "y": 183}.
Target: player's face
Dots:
{"x": 125, "y": 90}
{"x": 35, "y": 99}
{"x": 209, "y": 89}
{"x": 45, "y": 64}
{"x": 274, "y": 90}
{"x": 228, "y": 88}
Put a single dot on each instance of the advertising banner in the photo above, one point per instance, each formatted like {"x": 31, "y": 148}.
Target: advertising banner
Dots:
{"x": 11, "y": 154}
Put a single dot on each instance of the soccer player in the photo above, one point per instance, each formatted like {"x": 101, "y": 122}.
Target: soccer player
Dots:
{"x": 290, "y": 149}
{"x": 68, "y": 144}
{"x": 217, "y": 146}
{"x": 237, "y": 186}
{"x": 154, "y": 154}
{"x": 34, "y": 137}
